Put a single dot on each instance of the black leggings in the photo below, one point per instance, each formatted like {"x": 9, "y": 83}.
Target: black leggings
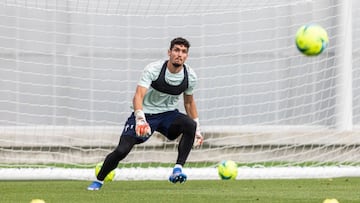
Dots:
{"x": 182, "y": 125}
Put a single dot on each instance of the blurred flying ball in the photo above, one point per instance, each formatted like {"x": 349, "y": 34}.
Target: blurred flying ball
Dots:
{"x": 311, "y": 39}
{"x": 330, "y": 201}
{"x": 227, "y": 170}
{"x": 37, "y": 201}
{"x": 109, "y": 177}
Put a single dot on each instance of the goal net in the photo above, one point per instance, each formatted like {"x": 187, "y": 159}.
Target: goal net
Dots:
{"x": 68, "y": 72}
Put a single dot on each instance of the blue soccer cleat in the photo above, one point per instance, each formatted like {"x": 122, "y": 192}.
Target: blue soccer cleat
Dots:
{"x": 96, "y": 185}
{"x": 177, "y": 176}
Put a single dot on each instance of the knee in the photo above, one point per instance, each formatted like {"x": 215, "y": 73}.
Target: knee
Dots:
{"x": 190, "y": 125}
{"x": 119, "y": 153}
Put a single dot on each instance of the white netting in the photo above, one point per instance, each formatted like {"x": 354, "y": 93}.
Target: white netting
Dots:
{"x": 68, "y": 71}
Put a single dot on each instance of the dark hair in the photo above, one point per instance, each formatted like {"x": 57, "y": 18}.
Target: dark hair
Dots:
{"x": 179, "y": 41}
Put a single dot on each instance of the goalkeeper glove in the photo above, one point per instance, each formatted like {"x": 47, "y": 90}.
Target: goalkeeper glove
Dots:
{"x": 199, "y": 139}
{"x": 142, "y": 127}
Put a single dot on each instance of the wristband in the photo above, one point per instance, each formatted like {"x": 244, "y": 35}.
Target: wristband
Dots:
{"x": 197, "y": 124}
{"x": 139, "y": 114}
{"x": 197, "y": 121}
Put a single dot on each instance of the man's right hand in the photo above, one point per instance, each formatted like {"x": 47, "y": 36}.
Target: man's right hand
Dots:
{"x": 142, "y": 127}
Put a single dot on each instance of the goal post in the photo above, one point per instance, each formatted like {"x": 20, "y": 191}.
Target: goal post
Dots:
{"x": 68, "y": 72}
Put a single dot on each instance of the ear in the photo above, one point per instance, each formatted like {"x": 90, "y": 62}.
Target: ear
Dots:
{"x": 169, "y": 52}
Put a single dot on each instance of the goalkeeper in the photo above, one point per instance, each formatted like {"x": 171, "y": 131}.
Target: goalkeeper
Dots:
{"x": 155, "y": 109}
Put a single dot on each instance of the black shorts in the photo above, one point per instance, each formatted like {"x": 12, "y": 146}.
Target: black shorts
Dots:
{"x": 160, "y": 122}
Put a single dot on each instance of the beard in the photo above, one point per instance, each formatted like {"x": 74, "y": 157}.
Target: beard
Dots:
{"x": 176, "y": 65}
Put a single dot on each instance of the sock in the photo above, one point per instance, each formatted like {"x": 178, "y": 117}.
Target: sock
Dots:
{"x": 99, "y": 181}
{"x": 178, "y": 166}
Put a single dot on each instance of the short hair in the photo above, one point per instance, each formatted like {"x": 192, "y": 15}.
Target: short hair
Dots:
{"x": 179, "y": 41}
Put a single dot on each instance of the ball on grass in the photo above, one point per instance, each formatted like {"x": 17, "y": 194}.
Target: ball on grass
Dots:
{"x": 330, "y": 201}
{"x": 37, "y": 201}
{"x": 109, "y": 177}
{"x": 227, "y": 170}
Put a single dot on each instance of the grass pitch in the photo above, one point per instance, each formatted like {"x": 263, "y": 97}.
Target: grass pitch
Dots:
{"x": 258, "y": 191}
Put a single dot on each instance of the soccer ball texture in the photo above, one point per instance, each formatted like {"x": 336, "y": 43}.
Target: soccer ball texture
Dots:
{"x": 109, "y": 177}
{"x": 227, "y": 170}
{"x": 311, "y": 39}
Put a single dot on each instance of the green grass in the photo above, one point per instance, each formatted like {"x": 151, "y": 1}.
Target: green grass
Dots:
{"x": 248, "y": 191}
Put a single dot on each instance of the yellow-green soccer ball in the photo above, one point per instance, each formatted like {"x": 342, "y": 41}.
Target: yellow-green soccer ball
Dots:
{"x": 330, "y": 201}
{"x": 109, "y": 177}
{"x": 37, "y": 201}
{"x": 311, "y": 39}
{"x": 227, "y": 170}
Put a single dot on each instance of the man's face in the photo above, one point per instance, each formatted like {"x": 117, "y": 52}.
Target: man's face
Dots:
{"x": 178, "y": 55}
